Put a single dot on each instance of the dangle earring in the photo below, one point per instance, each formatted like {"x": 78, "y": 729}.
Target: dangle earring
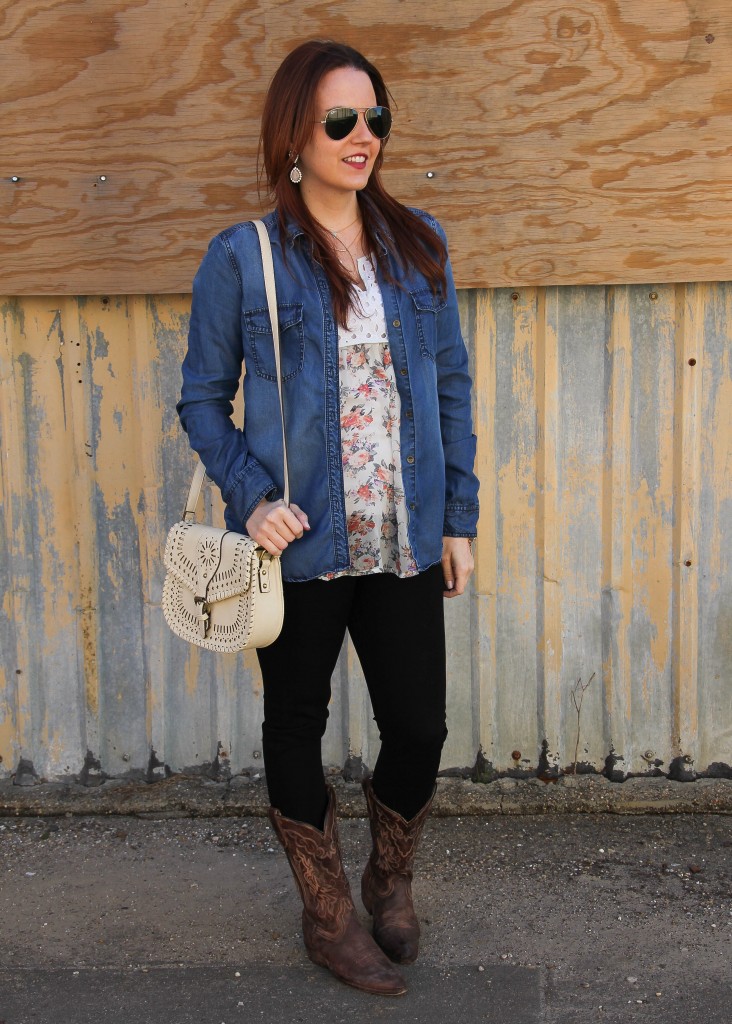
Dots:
{"x": 296, "y": 173}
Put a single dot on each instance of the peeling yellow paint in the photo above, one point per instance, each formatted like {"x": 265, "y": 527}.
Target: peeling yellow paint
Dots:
{"x": 515, "y": 482}
{"x": 91, "y": 449}
{"x": 13, "y": 483}
{"x": 687, "y": 477}
{"x": 652, "y": 578}
{"x": 57, "y": 753}
{"x": 87, "y": 613}
{"x": 617, "y": 568}
{"x": 192, "y": 669}
{"x": 251, "y": 667}
{"x": 719, "y": 453}
{"x": 8, "y": 726}
{"x": 486, "y": 552}
{"x": 547, "y": 518}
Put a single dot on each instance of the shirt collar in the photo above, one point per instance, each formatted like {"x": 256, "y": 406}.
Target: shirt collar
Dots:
{"x": 293, "y": 230}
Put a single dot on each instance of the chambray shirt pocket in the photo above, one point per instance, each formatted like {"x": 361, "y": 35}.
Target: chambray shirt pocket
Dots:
{"x": 259, "y": 346}
{"x": 426, "y": 307}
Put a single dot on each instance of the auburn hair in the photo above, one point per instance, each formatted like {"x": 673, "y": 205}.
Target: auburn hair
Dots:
{"x": 287, "y": 126}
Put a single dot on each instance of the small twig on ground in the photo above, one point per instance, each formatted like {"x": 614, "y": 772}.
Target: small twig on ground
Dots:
{"x": 578, "y": 695}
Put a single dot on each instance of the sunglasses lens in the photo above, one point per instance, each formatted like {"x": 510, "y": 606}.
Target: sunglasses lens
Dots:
{"x": 379, "y": 121}
{"x": 340, "y": 122}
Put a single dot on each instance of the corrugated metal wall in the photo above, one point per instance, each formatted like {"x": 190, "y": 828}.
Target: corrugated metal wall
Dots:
{"x": 604, "y": 423}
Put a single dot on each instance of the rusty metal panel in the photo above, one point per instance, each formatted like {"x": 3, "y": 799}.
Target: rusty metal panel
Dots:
{"x": 605, "y": 456}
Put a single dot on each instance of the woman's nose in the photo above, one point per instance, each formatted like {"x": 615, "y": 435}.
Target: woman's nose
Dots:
{"x": 362, "y": 131}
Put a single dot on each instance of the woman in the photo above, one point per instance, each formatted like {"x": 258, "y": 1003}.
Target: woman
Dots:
{"x": 381, "y": 450}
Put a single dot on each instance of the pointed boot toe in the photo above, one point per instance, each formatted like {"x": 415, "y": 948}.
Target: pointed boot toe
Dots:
{"x": 386, "y": 886}
{"x": 334, "y": 936}
{"x": 357, "y": 960}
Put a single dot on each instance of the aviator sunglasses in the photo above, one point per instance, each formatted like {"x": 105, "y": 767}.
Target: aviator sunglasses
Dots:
{"x": 340, "y": 121}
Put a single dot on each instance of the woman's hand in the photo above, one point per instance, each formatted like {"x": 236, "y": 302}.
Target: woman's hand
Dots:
{"x": 273, "y": 526}
{"x": 457, "y": 564}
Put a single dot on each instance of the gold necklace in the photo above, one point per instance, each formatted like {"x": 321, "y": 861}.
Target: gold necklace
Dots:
{"x": 353, "y": 267}
{"x": 340, "y": 231}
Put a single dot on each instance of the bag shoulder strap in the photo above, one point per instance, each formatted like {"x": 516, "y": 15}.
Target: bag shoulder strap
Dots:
{"x": 189, "y": 512}
{"x": 199, "y": 474}
{"x": 271, "y": 289}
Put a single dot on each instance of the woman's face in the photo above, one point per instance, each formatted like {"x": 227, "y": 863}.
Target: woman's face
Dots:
{"x": 331, "y": 168}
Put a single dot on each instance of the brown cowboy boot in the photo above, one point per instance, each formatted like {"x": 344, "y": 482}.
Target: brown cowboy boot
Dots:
{"x": 386, "y": 886}
{"x": 334, "y": 937}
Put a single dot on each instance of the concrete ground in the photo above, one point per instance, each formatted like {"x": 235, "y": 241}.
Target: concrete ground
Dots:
{"x": 527, "y": 919}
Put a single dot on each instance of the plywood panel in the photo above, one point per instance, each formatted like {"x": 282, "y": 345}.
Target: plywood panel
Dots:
{"x": 582, "y": 143}
{"x": 605, "y": 458}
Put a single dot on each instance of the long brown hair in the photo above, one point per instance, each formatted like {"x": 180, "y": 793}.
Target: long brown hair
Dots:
{"x": 289, "y": 113}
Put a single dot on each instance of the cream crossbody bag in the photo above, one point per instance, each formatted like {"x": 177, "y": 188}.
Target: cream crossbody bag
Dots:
{"x": 222, "y": 591}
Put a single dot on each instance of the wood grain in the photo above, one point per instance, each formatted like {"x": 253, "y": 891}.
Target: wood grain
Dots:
{"x": 585, "y": 142}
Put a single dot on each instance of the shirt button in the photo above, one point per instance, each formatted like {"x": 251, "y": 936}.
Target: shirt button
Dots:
{"x": 403, "y": 371}
{"x": 409, "y": 414}
{"x": 396, "y": 323}
{"x": 410, "y": 459}
{"x": 412, "y": 506}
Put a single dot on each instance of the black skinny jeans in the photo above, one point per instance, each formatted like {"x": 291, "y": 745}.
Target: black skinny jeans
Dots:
{"x": 398, "y": 631}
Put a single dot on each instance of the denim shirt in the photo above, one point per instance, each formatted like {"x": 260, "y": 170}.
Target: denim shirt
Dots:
{"x": 230, "y": 325}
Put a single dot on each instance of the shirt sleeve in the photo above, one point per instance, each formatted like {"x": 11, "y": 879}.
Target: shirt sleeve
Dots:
{"x": 454, "y": 388}
{"x": 212, "y": 371}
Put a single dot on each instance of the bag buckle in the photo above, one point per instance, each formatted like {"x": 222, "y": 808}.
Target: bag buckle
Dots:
{"x": 204, "y": 609}
{"x": 263, "y": 572}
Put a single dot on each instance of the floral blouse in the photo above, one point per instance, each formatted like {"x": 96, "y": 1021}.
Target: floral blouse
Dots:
{"x": 376, "y": 513}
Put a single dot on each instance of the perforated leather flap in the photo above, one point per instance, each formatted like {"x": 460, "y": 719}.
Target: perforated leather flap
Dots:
{"x": 213, "y": 564}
